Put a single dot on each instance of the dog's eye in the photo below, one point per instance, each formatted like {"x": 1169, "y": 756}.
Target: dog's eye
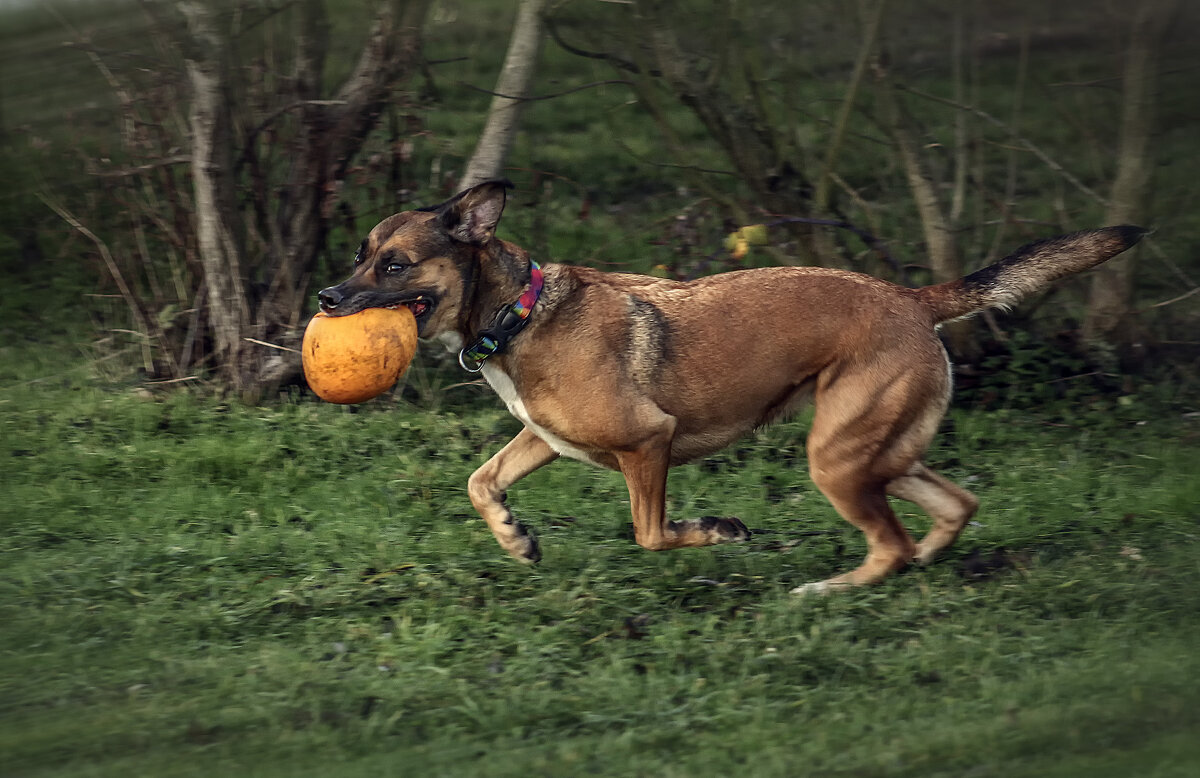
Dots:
{"x": 358, "y": 258}
{"x": 396, "y": 267}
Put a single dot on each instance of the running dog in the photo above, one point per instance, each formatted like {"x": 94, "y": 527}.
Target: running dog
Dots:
{"x": 639, "y": 374}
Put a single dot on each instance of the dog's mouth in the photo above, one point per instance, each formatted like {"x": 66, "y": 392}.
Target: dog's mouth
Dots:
{"x": 422, "y": 304}
{"x": 422, "y": 307}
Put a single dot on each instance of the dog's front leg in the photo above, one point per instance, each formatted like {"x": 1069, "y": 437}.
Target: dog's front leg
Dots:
{"x": 645, "y": 471}
{"x": 487, "y": 486}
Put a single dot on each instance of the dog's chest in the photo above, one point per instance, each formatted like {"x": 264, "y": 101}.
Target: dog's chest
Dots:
{"x": 504, "y": 386}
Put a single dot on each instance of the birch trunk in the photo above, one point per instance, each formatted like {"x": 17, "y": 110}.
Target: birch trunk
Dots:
{"x": 945, "y": 263}
{"x": 263, "y": 299}
{"x": 491, "y": 151}
{"x": 213, "y": 190}
{"x": 1108, "y": 324}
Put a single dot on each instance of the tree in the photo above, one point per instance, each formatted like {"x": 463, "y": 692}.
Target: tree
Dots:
{"x": 1108, "y": 325}
{"x": 262, "y": 301}
{"x": 229, "y": 173}
{"x": 214, "y": 190}
{"x": 494, "y": 143}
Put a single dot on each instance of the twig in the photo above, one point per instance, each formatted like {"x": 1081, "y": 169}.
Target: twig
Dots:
{"x": 254, "y": 133}
{"x": 1010, "y": 182}
{"x": 1157, "y": 251}
{"x": 617, "y": 62}
{"x": 478, "y": 382}
{"x": 674, "y": 165}
{"x": 178, "y": 159}
{"x": 175, "y": 380}
{"x": 1073, "y": 377}
{"x": 572, "y": 90}
{"x": 271, "y": 345}
{"x": 1037, "y": 152}
{"x": 875, "y": 244}
{"x": 1183, "y": 296}
{"x": 113, "y": 270}
{"x": 821, "y": 197}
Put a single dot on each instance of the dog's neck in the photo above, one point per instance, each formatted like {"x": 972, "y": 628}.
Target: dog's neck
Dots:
{"x": 500, "y": 277}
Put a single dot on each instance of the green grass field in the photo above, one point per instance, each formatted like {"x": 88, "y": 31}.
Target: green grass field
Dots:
{"x": 192, "y": 588}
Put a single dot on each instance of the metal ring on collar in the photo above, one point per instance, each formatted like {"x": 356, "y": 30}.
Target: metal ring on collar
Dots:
{"x": 462, "y": 361}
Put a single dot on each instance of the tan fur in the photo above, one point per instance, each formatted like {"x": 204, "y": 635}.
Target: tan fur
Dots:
{"x": 639, "y": 374}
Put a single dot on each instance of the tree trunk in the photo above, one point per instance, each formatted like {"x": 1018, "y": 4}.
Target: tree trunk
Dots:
{"x": 944, "y": 261}
{"x": 1109, "y": 325}
{"x": 213, "y": 187}
{"x": 267, "y": 304}
{"x": 519, "y": 64}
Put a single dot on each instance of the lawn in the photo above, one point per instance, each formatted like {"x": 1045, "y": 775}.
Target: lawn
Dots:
{"x": 195, "y": 588}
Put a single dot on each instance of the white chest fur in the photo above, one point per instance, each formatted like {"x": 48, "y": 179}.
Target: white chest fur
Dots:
{"x": 451, "y": 340}
{"x": 503, "y": 385}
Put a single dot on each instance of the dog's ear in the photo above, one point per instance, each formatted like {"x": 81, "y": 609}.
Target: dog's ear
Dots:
{"x": 471, "y": 216}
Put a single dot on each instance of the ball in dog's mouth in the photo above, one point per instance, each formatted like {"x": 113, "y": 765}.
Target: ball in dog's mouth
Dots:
{"x": 420, "y": 306}
{"x": 352, "y": 358}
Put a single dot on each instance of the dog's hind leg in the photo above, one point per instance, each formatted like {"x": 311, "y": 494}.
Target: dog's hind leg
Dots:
{"x": 863, "y": 504}
{"x": 645, "y": 470}
{"x": 487, "y": 486}
{"x": 950, "y": 506}
{"x": 871, "y": 426}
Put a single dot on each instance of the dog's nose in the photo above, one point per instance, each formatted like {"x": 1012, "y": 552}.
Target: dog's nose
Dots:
{"x": 329, "y": 298}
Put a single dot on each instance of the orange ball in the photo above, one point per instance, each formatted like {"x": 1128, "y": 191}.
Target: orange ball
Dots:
{"x": 349, "y": 359}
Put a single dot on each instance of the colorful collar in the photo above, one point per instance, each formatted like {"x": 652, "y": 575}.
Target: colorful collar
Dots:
{"x": 509, "y": 321}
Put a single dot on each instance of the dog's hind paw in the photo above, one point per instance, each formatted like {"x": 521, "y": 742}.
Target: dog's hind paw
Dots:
{"x": 724, "y": 530}
{"x": 813, "y": 589}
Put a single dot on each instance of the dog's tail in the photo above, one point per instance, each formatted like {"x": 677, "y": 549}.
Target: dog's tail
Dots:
{"x": 1026, "y": 270}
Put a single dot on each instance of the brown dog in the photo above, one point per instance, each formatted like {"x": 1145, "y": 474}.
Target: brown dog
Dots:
{"x": 639, "y": 374}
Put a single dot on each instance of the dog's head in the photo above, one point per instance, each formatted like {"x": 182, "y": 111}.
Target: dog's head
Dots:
{"x": 426, "y": 260}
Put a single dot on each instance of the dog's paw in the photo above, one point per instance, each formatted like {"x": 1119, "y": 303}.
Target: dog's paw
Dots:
{"x": 523, "y": 545}
{"x": 813, "y": 589}
{"x": 724, "y": 530}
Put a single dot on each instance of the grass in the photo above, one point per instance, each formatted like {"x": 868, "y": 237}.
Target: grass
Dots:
{"x": 193, "y": 588}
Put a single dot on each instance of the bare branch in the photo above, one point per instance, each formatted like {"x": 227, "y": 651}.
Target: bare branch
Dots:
{"x": 875, "y": 244}
{"x": 821, "y": 198}
{"x": 178, "y": 159}
{"x": 126, "y": 293}
{"x": 271, "y": 345}
{"x": 615, "y": 61}
{"x": 572, "y": 90}
{"x": 1025, "y": 143}
{"x": 1183, "y": 296}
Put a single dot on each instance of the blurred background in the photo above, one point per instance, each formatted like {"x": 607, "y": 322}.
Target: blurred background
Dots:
{"x": 181, "y": 177}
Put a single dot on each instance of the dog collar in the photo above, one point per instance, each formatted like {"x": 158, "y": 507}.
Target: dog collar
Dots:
{"x": 509, "y": 321}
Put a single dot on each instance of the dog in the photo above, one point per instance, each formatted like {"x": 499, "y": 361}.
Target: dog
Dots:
{"x": 638, "y": 374}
